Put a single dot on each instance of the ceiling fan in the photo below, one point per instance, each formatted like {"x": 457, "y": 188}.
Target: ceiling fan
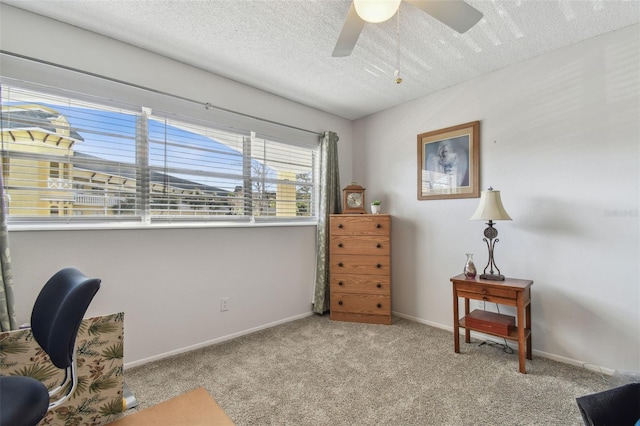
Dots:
{"x": 454, "y": 13}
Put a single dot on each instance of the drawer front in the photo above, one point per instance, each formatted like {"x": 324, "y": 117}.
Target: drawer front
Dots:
{"x": 485, "y": 290}
{"x": 367, "y": 284}
{"x": 374, "y": 224}
{"x": 356, "y": 244}
{"x": 488, "y": 298}
{"x": 361, "y": 304}
{"x": 355, "y": 264}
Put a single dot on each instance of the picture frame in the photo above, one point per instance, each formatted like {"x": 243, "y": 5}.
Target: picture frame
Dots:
{"x": 449, "y": 162}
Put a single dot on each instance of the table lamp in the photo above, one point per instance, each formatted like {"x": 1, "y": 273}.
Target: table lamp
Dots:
{"x": 490, "y": 209}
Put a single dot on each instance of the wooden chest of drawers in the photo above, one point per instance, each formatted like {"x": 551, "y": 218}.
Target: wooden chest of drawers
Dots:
{"x": 360, "y": 268}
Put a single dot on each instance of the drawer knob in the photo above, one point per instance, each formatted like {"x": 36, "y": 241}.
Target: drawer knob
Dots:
{"x": 484, "y": 298}
{"x": 379, "y": 285}
{"x": 484, "y": 291}
{"x": 378, "y": 245}
{"x": 378, "y": 266}
{"x": 340, "y": 302}
{"x": 340, "y": 283}
{"x": 378, "y": 226}
{"x": 340, "y": 226}
{"x": 339, "y": 244}
{"x": 340, "y": 264}
{"x": 379, "y": 305}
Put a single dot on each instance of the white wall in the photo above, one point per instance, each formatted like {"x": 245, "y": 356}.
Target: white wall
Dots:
{"x": 167, "y": 281}
{"x": 560, "y": 138}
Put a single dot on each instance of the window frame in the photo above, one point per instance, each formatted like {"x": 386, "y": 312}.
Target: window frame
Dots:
{"x": 145, "y": 219}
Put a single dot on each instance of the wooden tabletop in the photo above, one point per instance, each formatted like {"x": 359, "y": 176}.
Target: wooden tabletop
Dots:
{"x": 508, "y": 282}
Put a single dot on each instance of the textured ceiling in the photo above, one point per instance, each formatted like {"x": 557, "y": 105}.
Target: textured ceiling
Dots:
{"x": 284, "y": 46}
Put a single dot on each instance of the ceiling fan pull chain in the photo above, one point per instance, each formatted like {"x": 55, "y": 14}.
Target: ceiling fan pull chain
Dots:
{"x": 396, "y": 74}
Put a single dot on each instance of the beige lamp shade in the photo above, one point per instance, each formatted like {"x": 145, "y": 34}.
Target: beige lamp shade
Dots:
{"x": 375, "y": 11}
{"x": 490, "y": 207}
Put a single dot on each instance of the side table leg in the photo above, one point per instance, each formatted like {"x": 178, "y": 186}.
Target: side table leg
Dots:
{"x": 456, "y": 326}
{"x": 467, "y": 332}
{"x": 528, "y": 317}
{"x": 521, "y": 332}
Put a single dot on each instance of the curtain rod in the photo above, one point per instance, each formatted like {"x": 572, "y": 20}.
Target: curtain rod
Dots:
{"x": 207, "y": 105}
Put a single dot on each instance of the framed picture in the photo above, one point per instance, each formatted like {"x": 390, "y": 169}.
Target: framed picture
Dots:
{"x": 448, "y": 162}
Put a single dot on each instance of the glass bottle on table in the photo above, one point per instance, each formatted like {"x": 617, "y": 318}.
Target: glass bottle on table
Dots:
{"x": 469, "y": 267}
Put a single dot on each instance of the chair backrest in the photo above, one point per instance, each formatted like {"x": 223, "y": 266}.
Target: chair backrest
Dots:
{"x": 58, "y": 312}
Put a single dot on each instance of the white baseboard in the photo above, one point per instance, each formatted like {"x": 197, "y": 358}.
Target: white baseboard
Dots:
{"x": 480, "y": 336}
{"x": 214, "y": 341}
{"x": 542, "y": 354}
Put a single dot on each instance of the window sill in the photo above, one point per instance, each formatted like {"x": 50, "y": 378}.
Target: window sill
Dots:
{"x": 139, "y": 225}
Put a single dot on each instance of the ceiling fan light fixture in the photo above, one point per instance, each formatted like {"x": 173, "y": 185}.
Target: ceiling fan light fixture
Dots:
{"x": 375, "y": 11}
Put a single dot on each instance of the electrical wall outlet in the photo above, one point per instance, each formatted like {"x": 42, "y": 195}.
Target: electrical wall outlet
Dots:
{"x": 224, "y": 304}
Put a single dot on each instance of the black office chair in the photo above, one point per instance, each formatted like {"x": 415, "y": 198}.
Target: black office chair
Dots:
{"x": 55, "y": 320}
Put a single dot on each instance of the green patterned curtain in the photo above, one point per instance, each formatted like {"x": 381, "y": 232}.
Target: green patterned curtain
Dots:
{"x": 330, "y": 203}
{"x": 7, "y": 310}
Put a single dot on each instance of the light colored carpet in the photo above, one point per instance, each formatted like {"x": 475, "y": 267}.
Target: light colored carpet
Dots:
{"x": 315, "y": 371}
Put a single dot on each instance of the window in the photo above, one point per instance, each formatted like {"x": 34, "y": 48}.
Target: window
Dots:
{"x": 71, "y": 160}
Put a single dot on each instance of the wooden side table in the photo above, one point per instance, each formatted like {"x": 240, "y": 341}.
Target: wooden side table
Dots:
{"x": 512, "y": 292}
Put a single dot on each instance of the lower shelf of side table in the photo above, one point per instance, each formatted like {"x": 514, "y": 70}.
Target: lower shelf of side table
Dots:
{"x": 513, "y": 334}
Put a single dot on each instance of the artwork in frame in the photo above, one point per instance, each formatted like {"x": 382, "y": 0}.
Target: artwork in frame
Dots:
{"x": 448, "y": 162}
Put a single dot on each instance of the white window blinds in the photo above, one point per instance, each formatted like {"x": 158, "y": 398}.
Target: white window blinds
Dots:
{"x": 195, "y": 171}
{"x": 66, "y": 160}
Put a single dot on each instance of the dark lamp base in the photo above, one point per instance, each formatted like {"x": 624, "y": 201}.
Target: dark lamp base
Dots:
{"x": 492, "y": 277}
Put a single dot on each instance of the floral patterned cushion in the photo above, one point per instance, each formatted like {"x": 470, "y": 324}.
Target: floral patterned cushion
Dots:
{"x": 100, "y": 346}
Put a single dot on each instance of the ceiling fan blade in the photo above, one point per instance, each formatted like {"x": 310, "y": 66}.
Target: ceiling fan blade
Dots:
{"x": 454, "y": 13}
{"x": 349, "y": 35}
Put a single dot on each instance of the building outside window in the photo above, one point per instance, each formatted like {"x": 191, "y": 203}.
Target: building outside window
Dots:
{"x": 81, "y": 160}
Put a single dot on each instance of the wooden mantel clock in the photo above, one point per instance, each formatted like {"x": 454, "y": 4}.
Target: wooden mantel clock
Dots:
{"x": 353, "y": 199}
